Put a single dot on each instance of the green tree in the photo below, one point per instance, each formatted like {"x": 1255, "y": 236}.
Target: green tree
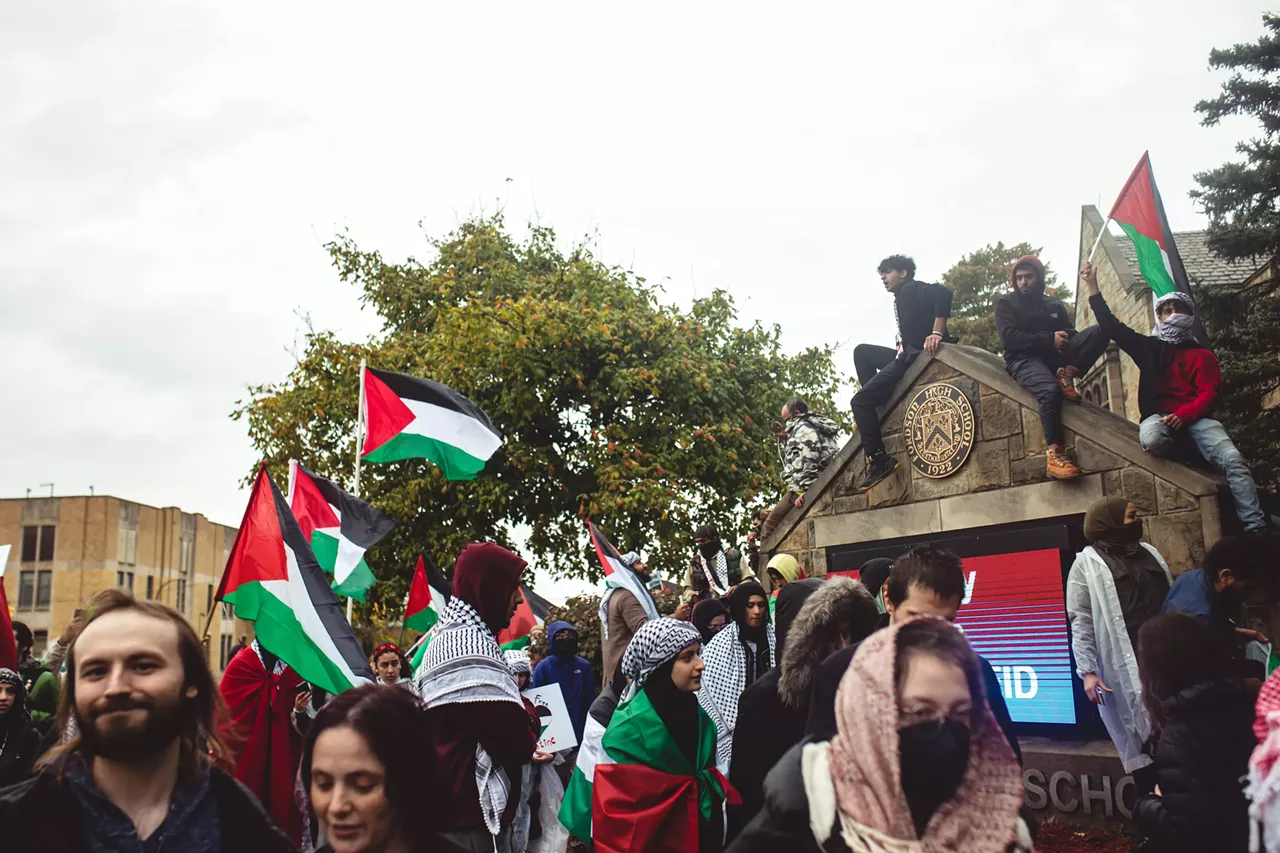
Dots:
{"x": 644, "y": 417}
{"x": 976, "y": 280}
{"x": 1242, "y": 202}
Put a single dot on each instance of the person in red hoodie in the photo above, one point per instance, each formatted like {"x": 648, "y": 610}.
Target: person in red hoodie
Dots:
{"x": 1177, "y": 391}
{"x": 1044, "y": 353}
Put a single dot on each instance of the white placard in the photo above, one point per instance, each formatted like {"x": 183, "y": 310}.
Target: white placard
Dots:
{"x": 4, "y": 557}
{"x": 557, "y": 729}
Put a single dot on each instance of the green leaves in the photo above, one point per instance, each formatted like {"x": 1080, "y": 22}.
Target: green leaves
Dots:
{"x": 649, "y": 419}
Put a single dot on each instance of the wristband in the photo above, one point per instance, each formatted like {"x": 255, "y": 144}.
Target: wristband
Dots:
{"x": 934, "y": 335}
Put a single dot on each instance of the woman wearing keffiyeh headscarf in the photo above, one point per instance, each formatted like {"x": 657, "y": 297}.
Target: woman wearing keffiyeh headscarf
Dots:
{"x": 742, "y": 652}
{"x": 652, "y": 784}
{"x": 1115, "y": 585}
{"x": 918, "y": 763}
{"x": 483, "y": 730}
{"x": 19, "y": 741}
{"x": 1178, "y": 390}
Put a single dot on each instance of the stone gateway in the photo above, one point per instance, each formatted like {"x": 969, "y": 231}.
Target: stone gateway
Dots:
{"x": 939, "y": 430}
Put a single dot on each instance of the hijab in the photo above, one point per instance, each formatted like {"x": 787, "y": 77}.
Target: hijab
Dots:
{"x": 786, "y": 565}
{"x": 703, "y": 612}
{"x": 866, "y": 765}
{"x": 15, "y": 724}
{"x": 873, "y": 574}
{"x": 1105, "y": 528}
{"x": 790, "y": 599}
{"x": 484, "y": 576}
{"x": 738, "y": 611}
{"x": 655, "y": 643}
{"x": 678, "y": 709}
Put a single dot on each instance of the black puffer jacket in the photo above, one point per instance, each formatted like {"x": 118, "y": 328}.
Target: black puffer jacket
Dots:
{"x": 1027, "y": 321}
{"x": 1201, "y": 753}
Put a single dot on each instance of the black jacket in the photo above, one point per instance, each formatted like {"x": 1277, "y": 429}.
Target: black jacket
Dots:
{"x": 918, "y": 305}
{"x": 1200, "y": 755}
{"x": 821, "y": 724}
{"x": 1152, "y": 355}
{"x": 42, "y": 815}
{"x": 766, "y": 729}
{"x": 1027, "y": 322}
{"x": 782, "y": 820}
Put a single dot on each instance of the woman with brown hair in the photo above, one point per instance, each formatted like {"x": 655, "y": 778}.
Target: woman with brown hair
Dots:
{"x": 1203, "y": 737}
{"x": 367, "y": 769}
{"x": 918, "y": 763}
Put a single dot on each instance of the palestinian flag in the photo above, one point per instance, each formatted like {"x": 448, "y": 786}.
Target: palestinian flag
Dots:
{"x": 1140, "y": 212}
{"x": 273, "y": 579}
{"x": 635, "y": 789}
{"x": 532, "y": 611}
{"x": 617, "y": 575}
{"x": 428, "y": 596}
{"x": 8, "y": 644}
{"x": 339, "y": 527}
{"x": 406, "y": 417}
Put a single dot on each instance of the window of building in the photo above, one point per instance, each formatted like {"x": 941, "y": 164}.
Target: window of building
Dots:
{"x": 124, "y": 580}
{"x": 127, "y": 541}
{"x": 181, "y": 603}
{"x": 37, "y": 543}
{"x": 44, "y": 589}
{"x": 46, "y": 543}
{"x": 151, "y": 587}
{"x": 208, "y": 599}
{"x": 26, "y": 590}
{"x": 30, "y": 536}
{"x": 39, "y": 642}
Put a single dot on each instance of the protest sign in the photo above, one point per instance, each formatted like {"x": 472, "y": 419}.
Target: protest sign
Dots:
{"x": 557, "y": 729}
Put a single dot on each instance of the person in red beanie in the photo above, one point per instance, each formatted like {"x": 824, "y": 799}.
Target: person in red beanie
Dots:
{"x": 482, "y": 730}
{"x": 1044, "y": 353}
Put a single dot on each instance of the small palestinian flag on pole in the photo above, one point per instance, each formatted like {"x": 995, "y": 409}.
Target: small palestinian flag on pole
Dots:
{"x": 274, "y": 581}
{"x": 339, "y": 527}
{"x": 532, "y": 611}
{"x": 1140, "y": 213}
{"x": 428, "y": 596}
{"x": 406, "y": 417}
{"x": 618, "y": 575}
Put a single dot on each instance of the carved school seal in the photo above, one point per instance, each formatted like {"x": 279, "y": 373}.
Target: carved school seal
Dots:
{"x": 938, "y": 425}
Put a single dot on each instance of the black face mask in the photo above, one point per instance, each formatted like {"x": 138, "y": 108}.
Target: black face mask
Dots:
{"x": 709, "y": 549}
{"x": 934, "y": 758}
{"x": 565, "y": 648}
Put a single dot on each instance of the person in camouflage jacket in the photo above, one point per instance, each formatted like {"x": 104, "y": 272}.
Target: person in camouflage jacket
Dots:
{"x": 810, "y": 447}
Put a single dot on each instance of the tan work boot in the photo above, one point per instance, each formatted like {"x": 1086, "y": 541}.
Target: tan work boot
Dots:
{"x": 1060, "y": 466}
{"x": 1067, "y": 382}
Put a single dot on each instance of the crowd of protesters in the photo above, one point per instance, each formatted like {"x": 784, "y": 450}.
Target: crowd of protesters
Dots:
{"x": 772, "y": 712}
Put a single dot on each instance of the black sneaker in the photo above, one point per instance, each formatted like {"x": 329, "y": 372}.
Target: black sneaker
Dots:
{"x": 879, "y": 466}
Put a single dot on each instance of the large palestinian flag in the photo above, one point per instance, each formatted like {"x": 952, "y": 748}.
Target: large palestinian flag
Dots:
{"x": 428, "y": 596}
{"x": 339, "y": 527}
{"x": 407, "y": 417}
{"x": 532, "y": 611}
{"x": 1140, "y": 213}
{"x": 273, "y": 579}
{"x": 635, "y": 789}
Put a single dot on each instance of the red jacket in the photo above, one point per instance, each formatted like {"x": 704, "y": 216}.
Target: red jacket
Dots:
{"x": 1191, "y": 384}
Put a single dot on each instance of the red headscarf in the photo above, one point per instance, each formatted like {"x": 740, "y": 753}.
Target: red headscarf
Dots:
{"x": 484, "y": 576}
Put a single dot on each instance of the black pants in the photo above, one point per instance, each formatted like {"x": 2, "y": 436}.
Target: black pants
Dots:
{"x": 879, "y": 369}
{"x": 1037, "y": 375}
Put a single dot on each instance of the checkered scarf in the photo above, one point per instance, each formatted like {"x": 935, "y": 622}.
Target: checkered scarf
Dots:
{"x": 1263, "y": 788}
{"x": 724, "y": 680}
{"x": 717, "y": 575}
{"x": 464, "y": 663}
{"x": 655, "y": 643}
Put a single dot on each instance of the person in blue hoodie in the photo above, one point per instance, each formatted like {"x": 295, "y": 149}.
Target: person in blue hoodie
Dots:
{"x": 572, "y": 673}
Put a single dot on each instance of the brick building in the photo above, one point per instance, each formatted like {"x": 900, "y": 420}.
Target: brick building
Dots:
{"x": 1113, "y": 381}
{"x": 66, "y": 549}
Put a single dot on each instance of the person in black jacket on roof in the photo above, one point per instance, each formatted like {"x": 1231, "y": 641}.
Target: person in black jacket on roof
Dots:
{"x": 1044, "y": 353}
{"x": 922, "y": 310}
{"x": 1203, "y": 737}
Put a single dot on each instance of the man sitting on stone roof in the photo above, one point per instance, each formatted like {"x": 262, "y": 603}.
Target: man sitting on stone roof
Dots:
{"x": 1044, "y": 353}
{"x": 922, "y": 310}
{"x": 1177, "y": 391}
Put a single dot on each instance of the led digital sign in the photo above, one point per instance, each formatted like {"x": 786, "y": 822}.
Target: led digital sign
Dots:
{"x": 1014, "y": 614}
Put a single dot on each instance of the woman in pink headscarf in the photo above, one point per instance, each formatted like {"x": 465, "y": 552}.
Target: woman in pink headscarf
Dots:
{"x": 918, "y": 764}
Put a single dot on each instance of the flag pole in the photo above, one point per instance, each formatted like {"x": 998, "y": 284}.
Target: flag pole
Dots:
{"x": 1098, "y": 241}
{"x": 355, "y": 490}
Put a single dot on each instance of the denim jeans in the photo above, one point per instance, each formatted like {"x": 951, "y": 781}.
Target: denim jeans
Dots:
{"x": 1211, "y": 439}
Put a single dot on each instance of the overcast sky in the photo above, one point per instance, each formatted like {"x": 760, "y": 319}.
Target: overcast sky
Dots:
{"x": 169, "y": 173}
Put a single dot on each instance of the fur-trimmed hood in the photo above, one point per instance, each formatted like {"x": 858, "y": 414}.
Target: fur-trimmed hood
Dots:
{"x": 841, "y": 605}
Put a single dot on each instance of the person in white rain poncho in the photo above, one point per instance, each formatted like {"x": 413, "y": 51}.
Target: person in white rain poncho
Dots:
{"x": 744, "y": 650}
{"x": 1115, "y": 585}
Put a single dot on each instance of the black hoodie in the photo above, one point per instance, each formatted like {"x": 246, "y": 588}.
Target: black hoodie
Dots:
{"x": 1027, "y": 321}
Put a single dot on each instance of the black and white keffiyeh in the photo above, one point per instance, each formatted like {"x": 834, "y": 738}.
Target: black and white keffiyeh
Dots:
{"x": 464, "y": 663}
{"x": 518, "y": 661}
{"x": 723, "y": 682}
{"x": 716, "y": 572}
{"x": 1176, "y": 328}
{"x": 656, "y": 642}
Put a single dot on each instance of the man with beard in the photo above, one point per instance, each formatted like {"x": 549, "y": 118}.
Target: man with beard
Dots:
{"x": 623, "y": 610}
{"x": 714, "y": 569}
{"x": 1234, "y": 568}
{"x": 139, "y": 775}
{"x": 263, "y": 696}
{"x": 573, "y": 673}
{"x": 744, "y": 650}
{"x": 483, "y": 731}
